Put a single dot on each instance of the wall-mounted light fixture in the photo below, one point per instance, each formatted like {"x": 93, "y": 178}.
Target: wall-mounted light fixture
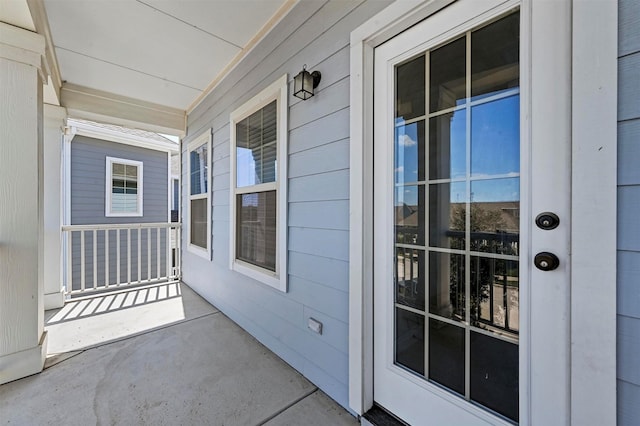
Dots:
{"x": 304, "y": 83}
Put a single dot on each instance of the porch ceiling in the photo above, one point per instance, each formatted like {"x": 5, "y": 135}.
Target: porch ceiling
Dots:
{"x": 165, "y": 53}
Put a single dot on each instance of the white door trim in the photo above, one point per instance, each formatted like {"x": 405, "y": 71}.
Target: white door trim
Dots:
{"x": 593, "y": 117}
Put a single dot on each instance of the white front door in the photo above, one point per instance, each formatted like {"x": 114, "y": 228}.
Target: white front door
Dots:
{"x": 466, "y": 329}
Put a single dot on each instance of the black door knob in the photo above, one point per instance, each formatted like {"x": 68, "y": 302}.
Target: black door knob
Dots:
{"x": 546, "y": 261}
{"x": 547, "y": 221}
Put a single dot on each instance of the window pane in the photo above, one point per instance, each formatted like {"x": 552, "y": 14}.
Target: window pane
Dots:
{"x": 448, "y": 146}
{"x": 494, "y": 57}
{"x": 409, "y": 153}
{"x": 410, "y": 89}
{"x": 446, "y": 355}
{"x": 410, "y": 340}
{"x": 199, "y": 222}
{"x": 410, "y": 277}
{"x": 447, "y": 69}
{"x": 495, "y": 216}
{"x": 495, "y": 295}
{"x": 447, "y": 217}
{"x": 494, "y": 374}
{"x": 410, "y": 215}
{"x": 124, "y": 188}
{"x": 495, "y": 138}
{"x": 256, "y": 147}
{"x": 256, "y": 229}
{"x": 199, "y": 170}
{"x": 447, "y": 285}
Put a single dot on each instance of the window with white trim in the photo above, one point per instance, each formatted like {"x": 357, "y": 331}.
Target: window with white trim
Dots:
{"x": 123, "y": 192}
{"x": 258, "y": 186}
{"x": 199, "y": 207}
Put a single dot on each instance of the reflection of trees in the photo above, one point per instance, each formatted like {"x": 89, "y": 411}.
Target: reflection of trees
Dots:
{"x": 487, "y": 228}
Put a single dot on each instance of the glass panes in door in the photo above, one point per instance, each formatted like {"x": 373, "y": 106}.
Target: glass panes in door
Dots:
{"x": 457, "y": 215}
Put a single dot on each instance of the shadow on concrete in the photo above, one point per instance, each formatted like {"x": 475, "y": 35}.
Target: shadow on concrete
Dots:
{"x": 110, "y": 301}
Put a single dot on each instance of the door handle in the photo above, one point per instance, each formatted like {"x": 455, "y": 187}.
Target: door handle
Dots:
{"x": 546, "y": 261}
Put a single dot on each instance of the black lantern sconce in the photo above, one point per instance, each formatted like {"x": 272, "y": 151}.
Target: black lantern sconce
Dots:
{"x": 304, "y": 83}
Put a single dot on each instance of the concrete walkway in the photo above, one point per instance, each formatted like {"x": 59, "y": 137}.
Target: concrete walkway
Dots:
{"x": 160, "y": 356}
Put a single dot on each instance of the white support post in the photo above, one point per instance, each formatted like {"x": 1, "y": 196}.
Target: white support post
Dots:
{"x": 23, "y": 341}
{"x": 54, "y": 122}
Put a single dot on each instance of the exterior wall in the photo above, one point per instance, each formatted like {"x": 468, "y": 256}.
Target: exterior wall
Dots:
{"x": 88, "y": 174}
{"x": 628, "y": 212}
{"x": 318, "y": 161}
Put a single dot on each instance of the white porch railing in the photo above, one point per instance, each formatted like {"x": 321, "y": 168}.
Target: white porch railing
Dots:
{"x": 99, "y": 257}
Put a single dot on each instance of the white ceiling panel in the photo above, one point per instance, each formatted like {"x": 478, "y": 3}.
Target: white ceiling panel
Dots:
{"x": 135, "y": 36}
{"x": 235, "y": 21}
{"x": 85, "y": 71}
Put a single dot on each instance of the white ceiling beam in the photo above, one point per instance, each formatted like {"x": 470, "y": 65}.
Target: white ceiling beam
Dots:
{"x": 96, "y": 105}
{"x": 41, "y": 23}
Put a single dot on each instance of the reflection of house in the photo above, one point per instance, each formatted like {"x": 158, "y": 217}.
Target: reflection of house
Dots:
{"x": 579, "y": 76}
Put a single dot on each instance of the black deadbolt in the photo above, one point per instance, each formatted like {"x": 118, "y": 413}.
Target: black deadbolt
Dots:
{"x": 546, "y": 261}
{"x": 547, "y": 221}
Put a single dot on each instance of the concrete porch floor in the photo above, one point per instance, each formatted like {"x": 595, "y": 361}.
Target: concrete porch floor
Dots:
{"x": 160, "y": 356}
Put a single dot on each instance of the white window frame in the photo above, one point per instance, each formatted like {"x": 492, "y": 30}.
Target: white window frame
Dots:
{"x": 204, "y": 138}
{"x": 109, "y": 187}
{"x": 277, "y": 91}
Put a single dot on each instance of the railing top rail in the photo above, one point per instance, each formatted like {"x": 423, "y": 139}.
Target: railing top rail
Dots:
{"x": 110, "y": 226}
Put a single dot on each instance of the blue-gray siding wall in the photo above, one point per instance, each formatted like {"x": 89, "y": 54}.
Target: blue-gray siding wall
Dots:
{"x": 629, "y": 213}
{"x": 88, "y": 174}
{"x": 318, "y": 241}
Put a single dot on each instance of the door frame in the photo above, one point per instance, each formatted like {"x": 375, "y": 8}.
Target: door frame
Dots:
{"x": 592, "y": 133}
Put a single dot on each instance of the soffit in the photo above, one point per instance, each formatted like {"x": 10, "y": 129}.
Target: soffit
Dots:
{"x": 165, "y": 52}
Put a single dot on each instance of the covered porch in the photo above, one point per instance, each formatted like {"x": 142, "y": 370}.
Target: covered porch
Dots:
{"x": 160, "y": 354}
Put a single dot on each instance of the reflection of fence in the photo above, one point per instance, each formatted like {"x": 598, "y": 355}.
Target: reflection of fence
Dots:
{"x": 102, "y": 256}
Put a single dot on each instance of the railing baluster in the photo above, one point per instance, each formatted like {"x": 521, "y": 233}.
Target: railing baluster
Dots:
{"x": 128, "y": 255}
{"x": 178, "y": 231}
{"x": 69, "y": 242}
{"x": 139, "y": 256}
{"x": 82, "y": 260}
{"x": 148, "y": 254}
{"x": 106, "y": 258}
{"x": 167, "y": 252}
{"x": 118, "y": 256}
{"x": 158, "y": 253}
{"x": 95, "y": 259}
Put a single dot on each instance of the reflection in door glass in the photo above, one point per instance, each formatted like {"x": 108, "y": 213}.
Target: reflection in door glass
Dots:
{"x": 447, "y": 70}
{"x": 447, "y": 146}
{"x": 409, "y": 215}
{"x": 495, "y": 216}
{"x": 410, "y": 269}
{"x": 495, "y": 138}
{"x": 409, "y": 153}
{"x": 410, "y": 89}
{"x": 457, "y": 216}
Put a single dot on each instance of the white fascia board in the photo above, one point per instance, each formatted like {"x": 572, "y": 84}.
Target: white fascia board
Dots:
{"x": 85, "y": 129}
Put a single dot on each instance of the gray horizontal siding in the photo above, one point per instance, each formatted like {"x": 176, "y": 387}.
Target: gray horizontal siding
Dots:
{"x": 628, "y": 335}
{"x": 88, "y": 186}
{"x": 315, "y": 34}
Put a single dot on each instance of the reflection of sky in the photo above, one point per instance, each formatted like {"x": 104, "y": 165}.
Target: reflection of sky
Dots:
{"x": 493, "y": 190}
{"x": 495, "y": 137}
{"x": 482, "y": 191}
{"x": 495, "y": 150}
{"x": 406, "y": 161}
{"x": 246, "y": 167}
